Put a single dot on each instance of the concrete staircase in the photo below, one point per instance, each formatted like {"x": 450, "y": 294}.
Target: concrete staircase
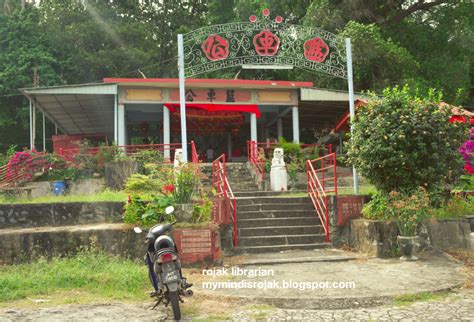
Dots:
{"x": 273, "y": 221}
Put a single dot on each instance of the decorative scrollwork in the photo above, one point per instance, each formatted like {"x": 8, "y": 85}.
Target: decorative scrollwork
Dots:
{"x": 263, "y": 42}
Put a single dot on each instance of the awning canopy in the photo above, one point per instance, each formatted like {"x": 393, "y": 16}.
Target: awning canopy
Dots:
{"x": 77, "y": 109}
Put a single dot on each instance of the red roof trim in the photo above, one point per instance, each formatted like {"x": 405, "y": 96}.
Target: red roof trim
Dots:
{"x": 211, "y": 81}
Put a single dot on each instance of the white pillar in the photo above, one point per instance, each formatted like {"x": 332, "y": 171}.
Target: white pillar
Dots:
{"x": 121, "y": 124}
{"x": 279, "y": 128}
{"x": 350, "y": 85}
{"x": 56, "y": 129}
{"x": 32, "y": 135}
{"x": 44, "y": 133}
{"x": 182, "y": 101}
{"x": 253, "y": 127}
{"x": 296, "y": 124}
{"x": 115, "y": 119}
{"x": 229, "y": 146}
{"x": 166, "y": 132}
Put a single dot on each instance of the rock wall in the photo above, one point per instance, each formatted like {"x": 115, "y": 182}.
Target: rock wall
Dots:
{"x": 59, "y": 214}
{"x": 379, "y": 238}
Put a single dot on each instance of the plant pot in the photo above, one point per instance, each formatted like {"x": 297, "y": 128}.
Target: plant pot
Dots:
{"x": 408, "y": 247}
{"x": 184, "y": 212}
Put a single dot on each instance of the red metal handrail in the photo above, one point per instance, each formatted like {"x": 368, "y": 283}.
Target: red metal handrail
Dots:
{"x": 223, "y": 190}
{"x": 317, "y": 188}
{"x": 256, "y": 154}
{"x": 256, "y": 157}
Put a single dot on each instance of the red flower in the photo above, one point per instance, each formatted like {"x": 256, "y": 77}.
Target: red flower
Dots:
{"x": 167, "y": 189}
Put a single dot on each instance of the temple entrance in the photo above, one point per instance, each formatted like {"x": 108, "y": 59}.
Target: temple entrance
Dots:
{"x": 214, "y": 132}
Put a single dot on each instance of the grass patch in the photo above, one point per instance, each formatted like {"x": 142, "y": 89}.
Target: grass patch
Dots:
{"x": 106, "y": 195}
{"x": 90, "y": 271}
{"x": 404, "y": 300}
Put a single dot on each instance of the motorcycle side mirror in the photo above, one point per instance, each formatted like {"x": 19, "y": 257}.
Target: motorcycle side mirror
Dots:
{"x": 169, "y": 210}
{"x": 137, "y": 230}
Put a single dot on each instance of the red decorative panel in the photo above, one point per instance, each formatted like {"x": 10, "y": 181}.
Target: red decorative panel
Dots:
{"x": 215, "y": 47}
{"x": 316, "y": 50}
{"x": 197, "y": 245}
{"x": 266, "y": 43}
{"x": 349, "y": 207}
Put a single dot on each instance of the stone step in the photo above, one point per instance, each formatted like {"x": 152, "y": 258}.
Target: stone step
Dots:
{"x": 275, "y": 206}
{"x": 269, "y": 199}
{"x": 270, "y": 214}
{"x": 280, "y": 248}
{"x": 271, "y": 222}
{"x": 281, "y": 240}
{"x": 281, "y": 230}
{"x": 253, "y": 194}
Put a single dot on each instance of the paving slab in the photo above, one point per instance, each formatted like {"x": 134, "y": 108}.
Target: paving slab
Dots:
{"x": 337, "y": 284}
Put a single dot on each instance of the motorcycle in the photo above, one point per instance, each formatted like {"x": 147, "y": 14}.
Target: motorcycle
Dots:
{"x": 164, "y": 267}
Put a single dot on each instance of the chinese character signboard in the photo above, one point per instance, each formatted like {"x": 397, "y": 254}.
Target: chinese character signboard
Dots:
{"x": 263, "y": 41}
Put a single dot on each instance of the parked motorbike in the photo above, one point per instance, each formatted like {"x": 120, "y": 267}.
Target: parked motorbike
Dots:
{"x": 164, "y": 267}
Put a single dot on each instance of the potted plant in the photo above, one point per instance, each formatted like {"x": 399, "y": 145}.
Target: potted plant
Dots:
{"x": 408, "y": 210}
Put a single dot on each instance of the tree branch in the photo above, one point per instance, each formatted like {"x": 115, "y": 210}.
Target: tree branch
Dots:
{"x": 420, "y": 5}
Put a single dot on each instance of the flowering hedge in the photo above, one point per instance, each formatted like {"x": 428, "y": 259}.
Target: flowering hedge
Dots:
{"x": 467, "y": 152}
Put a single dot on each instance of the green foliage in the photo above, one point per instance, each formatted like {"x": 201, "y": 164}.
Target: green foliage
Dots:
{"x": 106, "y": 195}
{"x": 89, "y": 271}
{"x": 291, "y": 150}
{"x": 202, "y": 210}
{"x": 150, "y": 211}
{"x": 401, "y": 142}
{"x": 185, "y": 183}
{"x": 466, "y": 183}
{"x": 457, "y": 207}
{"x": 142, "y": 183}
{"x": 407, "y": 210}
{"x": 148, "y": 156}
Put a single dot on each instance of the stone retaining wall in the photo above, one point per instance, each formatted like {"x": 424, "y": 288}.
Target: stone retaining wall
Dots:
{"x": 77, "y": 187}
{"x": 24, "y": 245}
{"x": 379, "y": 238}
{"x": 59, "y": 214}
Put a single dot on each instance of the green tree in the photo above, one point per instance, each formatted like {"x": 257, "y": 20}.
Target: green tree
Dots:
{"x": 401, "y": 142}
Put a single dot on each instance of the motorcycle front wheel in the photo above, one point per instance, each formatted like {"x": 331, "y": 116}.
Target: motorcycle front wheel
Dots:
{"x": 175, "y": 305}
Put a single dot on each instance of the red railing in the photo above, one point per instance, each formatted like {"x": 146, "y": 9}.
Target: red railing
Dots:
{"x": 257, "y": 152}
{"x": 318, "y": 189}
{"x": 256, "y": 157}
{"x": 168, "y": 150}
{"x": 223, "y": 190}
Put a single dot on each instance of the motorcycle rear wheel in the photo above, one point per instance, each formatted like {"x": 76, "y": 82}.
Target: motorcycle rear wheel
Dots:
{"x": 175, "y": 305}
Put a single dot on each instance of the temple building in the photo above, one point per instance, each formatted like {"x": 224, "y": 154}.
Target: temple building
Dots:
{"x": 221, "y": 114}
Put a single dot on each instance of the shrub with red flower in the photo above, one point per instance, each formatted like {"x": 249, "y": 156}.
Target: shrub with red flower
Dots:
{"x": 23, "y": 165}
{"x": 167, "y": 189}
{"x": 467, "y": 152}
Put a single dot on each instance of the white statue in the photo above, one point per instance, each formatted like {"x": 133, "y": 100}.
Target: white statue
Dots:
{"x": 278, "y": 175}
{"x": 178, "y": 158}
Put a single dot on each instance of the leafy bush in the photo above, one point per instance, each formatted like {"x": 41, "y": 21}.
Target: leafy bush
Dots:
{"x": 142, "y": 183}
{"x": 457, "y": 207}
{"x": 202, "y": 210}
{"x": 466, "y": 183}
{"x": 148, "y": 212}
{"x": 291, "y": 150}
{"x": 407, "y": 210}
{"x": 148, "y": 156}
{"x": 185, "y": 183}
{"x": 401, "y": 142}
